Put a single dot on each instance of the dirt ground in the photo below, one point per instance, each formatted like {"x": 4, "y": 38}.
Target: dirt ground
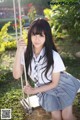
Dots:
{"x": 40, "y": 114}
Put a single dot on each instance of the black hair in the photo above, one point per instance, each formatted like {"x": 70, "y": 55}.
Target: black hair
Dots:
{"x": 38, "y": 27}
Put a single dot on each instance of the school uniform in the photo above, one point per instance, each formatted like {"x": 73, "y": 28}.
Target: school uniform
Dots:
{"x": 57, "y": 98}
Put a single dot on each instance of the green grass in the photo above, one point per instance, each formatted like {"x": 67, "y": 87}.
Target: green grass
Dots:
{"x": 10, "y": 95}
{"x": 10, "y": 89}
{"x": 67, "y": 50}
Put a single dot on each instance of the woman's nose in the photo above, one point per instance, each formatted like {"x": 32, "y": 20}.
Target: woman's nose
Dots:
{"x": 37, "y": 37}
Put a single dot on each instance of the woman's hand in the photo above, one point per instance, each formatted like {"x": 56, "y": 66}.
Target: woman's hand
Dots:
{"x": 29, "y": 90}
{"x": 21, "y": 46}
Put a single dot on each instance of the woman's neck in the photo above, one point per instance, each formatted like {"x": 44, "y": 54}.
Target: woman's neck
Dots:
{"x": 37, "y": 51}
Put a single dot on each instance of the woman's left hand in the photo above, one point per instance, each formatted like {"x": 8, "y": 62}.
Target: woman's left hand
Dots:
{"x": 29, "y": 90}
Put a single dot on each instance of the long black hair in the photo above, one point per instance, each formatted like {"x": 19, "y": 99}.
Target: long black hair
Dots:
{"x": 40, "y": 26}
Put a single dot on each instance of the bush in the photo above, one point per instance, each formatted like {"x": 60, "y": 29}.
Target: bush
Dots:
{"x": 9, "y": 45}
{"x": 64, "y": 18}
{"x": 7, "y": 41}
{"x": 4, "y": 36}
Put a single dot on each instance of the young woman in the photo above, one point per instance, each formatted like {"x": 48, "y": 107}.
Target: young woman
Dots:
{"x": 45, "y": 66}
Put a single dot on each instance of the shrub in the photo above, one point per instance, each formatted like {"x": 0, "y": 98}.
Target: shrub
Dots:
{"x": 64, "y": 18}
{"x": 7, "y": 41}
{"x": 4, "y": 36}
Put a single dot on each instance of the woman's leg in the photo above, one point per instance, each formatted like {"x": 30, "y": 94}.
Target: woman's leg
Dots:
{"x": 67, "y": 114}
{"x": 56, "y": 115}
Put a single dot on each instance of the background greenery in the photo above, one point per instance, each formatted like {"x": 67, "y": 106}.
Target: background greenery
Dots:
{"x": 64, "y": 18}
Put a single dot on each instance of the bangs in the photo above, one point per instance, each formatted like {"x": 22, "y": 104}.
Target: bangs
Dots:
{"x": 37, "y": 30}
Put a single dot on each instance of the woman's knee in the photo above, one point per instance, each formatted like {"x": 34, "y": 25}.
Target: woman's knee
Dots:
{"x": 55, "y": 117}
{"x": 68, "y": 117}
{"x": 67, "y": 113}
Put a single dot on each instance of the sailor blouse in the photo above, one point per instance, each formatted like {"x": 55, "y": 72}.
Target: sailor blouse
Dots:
{"x": 38, "y": 66}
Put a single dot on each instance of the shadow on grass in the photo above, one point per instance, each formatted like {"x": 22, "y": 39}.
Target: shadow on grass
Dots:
{"x": 7, "y": 82}
{"x": 10, "y": 95}
{"x": 72, "y": 66}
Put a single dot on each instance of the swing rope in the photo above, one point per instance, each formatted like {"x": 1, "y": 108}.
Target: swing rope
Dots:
{"x": 16, "y": 31}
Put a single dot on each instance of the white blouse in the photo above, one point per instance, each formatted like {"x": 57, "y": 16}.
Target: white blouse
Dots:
{"x": 38, "y": 66}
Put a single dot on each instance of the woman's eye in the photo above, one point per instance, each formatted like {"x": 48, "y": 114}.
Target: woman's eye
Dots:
{"x": 33, "y": 34}
{"x": 41, "y": 35}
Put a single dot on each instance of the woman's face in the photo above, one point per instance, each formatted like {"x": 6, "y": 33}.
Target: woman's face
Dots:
{"x": 38, "y": 40}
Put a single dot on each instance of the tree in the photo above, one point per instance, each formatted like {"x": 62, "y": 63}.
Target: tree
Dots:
{"x": 64, "y": 18}
{"x": 31, "y": 13}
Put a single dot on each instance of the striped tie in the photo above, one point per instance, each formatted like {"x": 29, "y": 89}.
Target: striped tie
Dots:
{"x": 36, "y": 77}
{"x": 36, "y": 72}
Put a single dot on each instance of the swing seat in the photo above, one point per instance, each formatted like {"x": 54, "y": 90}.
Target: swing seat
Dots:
{"x": 78, "y": 91}
{"x": 34, "y": 103}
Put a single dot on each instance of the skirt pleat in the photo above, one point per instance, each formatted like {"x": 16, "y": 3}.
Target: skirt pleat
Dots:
{"x": 62, "y": 96}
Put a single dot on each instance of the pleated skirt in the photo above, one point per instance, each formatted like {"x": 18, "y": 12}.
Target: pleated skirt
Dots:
{"x": 62, "y": 96}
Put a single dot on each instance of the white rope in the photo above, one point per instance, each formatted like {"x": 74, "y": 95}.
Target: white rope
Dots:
{"x": 15, "y": 20}
{"x": 16, "y": 32}
{"x": 20, "y": 20}
{"x": 26, "y": 80}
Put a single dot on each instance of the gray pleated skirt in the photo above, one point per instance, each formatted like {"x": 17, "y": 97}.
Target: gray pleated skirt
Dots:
{"x": 62, "y": 96}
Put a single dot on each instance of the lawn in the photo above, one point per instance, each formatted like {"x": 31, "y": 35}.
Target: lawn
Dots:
{"x": 10, "y": 89}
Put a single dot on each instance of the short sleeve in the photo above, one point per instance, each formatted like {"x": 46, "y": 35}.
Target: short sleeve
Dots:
{"x": 58, "y": 63}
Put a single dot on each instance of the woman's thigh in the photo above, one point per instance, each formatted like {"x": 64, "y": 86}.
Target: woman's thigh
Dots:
{"x": 56, "y": 115}
{"x": 67, "y": 113}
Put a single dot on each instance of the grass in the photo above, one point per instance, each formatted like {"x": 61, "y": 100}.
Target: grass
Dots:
{"x": 67, "y": 50}
{"x": 10, "y": 89}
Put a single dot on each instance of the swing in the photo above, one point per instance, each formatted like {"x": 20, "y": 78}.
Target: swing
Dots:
{"x": 31, "y": 101}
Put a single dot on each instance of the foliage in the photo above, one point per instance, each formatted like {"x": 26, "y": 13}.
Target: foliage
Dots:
{"x": 39, "y": 4}
{"x": 24, "y": 35}
{"x": 64, "y": 18}
{"x": 7, "y": 41}
{"x": 6, "y": 75}
{"x": 31, "y": 13}
{"x": 10, "y": 96}
{"x": 10, "y": 45}
{"x": 4, "y": 36}
{"x": 18, "y": 23}
{"x": 24, "y": 2}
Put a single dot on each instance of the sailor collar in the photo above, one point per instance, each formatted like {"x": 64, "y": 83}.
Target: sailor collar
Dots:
{"x": 40, "y": 56}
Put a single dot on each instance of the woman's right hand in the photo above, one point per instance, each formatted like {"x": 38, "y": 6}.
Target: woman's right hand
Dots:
{"x": 21, "y": 45}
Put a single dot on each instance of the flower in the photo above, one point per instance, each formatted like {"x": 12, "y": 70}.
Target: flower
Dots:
{"x": 29, "y": 5}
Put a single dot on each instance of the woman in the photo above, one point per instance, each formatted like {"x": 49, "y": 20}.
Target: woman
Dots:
{"x": 46, "y": 68}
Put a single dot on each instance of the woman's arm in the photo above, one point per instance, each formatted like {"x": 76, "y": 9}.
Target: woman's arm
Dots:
{"x": 17, "y": 67}
{"x": 44, "y": 88}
